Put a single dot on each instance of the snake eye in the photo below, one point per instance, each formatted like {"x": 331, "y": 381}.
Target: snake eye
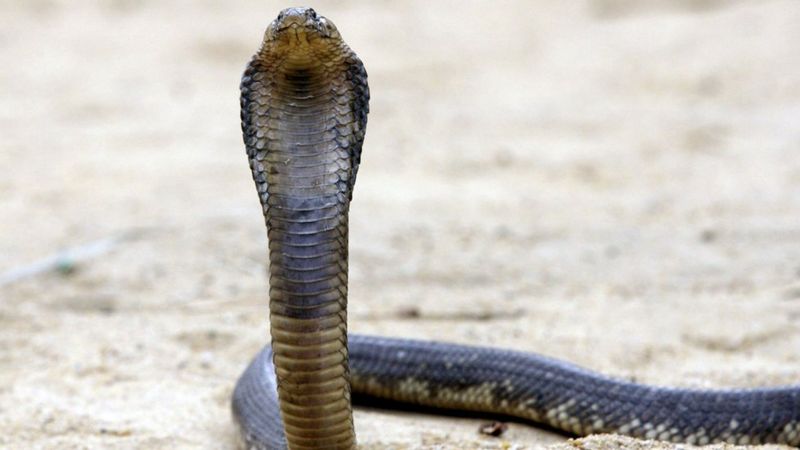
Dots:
{"x": 311, "y": 13}
{"x": 326, "y": 28}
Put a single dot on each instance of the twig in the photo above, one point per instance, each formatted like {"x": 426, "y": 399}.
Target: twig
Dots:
{"x": 65, "y": 261}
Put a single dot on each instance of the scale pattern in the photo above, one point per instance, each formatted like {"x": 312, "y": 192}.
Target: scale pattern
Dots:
{"x": 303, "y": 119}
{"x": 538, "y": 389}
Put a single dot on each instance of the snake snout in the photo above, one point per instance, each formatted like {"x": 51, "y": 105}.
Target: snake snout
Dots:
{"x": 300, "y": 25}
{"x": 296, "y": 17}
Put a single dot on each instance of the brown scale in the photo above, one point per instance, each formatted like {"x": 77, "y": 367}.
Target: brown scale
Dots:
{"x": 304, "y": 101}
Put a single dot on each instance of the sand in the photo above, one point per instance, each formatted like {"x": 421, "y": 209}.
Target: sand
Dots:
{"x": 611, "y": 182}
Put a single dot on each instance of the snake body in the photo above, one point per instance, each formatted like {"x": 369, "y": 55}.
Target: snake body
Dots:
{"x": 304, "y": 105}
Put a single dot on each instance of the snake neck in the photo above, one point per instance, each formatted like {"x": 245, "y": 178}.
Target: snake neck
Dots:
{"x": 307, "y": 222}
{"x": 301, "y": 124}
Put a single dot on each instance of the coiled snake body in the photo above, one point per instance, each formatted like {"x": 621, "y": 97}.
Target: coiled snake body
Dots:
{"x": 304, "y": 104}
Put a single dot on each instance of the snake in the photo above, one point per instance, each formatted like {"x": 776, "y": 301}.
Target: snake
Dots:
{"x": 304, "y": 104}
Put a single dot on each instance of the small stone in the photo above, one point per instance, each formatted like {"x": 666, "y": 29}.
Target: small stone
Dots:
{"x": 494, "y": 429}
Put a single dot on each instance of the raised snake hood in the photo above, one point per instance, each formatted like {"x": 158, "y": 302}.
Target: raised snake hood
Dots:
{"x": 304, "y": 99}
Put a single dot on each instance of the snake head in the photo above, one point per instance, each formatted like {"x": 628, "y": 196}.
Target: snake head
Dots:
{"x": 300, "y": 26}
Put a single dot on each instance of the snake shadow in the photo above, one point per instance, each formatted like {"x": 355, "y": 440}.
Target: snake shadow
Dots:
{"x": 374, "y": 403}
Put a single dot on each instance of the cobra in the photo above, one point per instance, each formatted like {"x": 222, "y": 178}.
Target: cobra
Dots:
{"x": 304, "y": 105}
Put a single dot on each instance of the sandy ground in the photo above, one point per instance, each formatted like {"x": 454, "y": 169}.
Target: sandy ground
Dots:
{"x": 611, "y": 182}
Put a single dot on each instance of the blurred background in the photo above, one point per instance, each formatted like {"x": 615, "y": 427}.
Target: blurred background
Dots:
{"x": 611, "y": 182}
